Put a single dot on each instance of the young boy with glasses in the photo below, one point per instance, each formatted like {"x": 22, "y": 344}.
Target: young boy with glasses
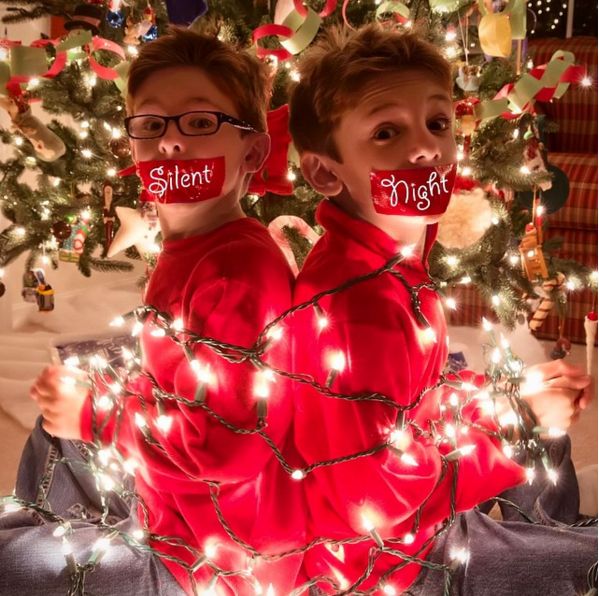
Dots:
{"x": 197, "y": 124}
{"x": 371, "y": 117}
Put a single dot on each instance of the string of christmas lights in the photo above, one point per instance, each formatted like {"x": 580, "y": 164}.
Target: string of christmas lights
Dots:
{"x": 514, "y": 422}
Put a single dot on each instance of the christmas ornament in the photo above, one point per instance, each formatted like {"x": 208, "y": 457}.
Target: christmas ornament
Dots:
{"x": 120, "y": 147}
{"x": 108, "y": 215}
{"x": 548, "y": 292}
{"x": 469, "y": 78}
{"x": 531, "y": 253}
{"x": 590, "y": 331}
{"x": 184, "y": 13}
{"x": 138, "y": 228}
{"x": 115, "y": 19}
{"x": 73, "y": 246}
{"x": 468, "y": 217}
{"x": 275, "y": 228}
{"x": 553, "y": 195}
{"x": 466, "y": 119}
{"x": 61, "y": 230}
{"x": 87, "y": 17}
{"x": 47, "y": 145}
{"x": 45, "y": 292}
{"x": 495, "y": 35}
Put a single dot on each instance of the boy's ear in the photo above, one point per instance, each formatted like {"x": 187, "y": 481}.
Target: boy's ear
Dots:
{"x": 258, "y": 151}
{"x": 318, "y": 171}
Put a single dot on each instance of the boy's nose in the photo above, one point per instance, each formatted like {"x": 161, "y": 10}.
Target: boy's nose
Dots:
{"x": 425, "y": 150}
{"x": 172, "y": 143}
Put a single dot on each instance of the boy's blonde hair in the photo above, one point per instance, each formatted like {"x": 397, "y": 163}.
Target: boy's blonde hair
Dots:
{"x": 335, "y": 71}
{"x": 239, "y": 75}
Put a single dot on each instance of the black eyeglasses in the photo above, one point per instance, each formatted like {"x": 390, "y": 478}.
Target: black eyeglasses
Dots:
{"x": 191, "y": 124}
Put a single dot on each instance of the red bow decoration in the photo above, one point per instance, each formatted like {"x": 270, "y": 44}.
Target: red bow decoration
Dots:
{"x": 273, "y": 175}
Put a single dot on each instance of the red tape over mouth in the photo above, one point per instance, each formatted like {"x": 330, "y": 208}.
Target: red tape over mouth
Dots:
{"x": 181, "y": 180}
{"x": 414, "y": 191}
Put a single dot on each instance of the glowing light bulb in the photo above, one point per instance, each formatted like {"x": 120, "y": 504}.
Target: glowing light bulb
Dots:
{"x": 552, "y": 475}
{"x": 164, "y": 423}
{"x": 516, "y": 133}
{"x": 525, "y": 170}
{"x": 508, "y": 451}
{"x": 104, "y": 402}
{"x": 117, "y": 322}
{"x": 555, "y": 432}
{"x": 140, "y": 421}
{"x": 465, "y": 280}
{"x": 130, "y": 465}
{"x": 509, "y": 419}
{"x": 407, "y": 251}
{"x": 530, "y": 475}
{"x": 496, "y": 300}
{"x": 514, "y": 260}
{"x": 291, "y": 175}
{"x": 533, "y": 383}
{"x": 486, "y": 324}
{"x": 452, "y": 260}
{"x": 337, "y": 361}
{"x": 294, "y": 75}
{"x": 298, "y": 475}
{"x": 389, "y": 590}
{"x": 451, "y": 303}
{"x": 20, "y": 232}
{"x": 400, "y": 438}
{"x": 367, "y": 523}
{"x": 496, "y": 356}
{"x": 467, "y": 171}
{"x": 467, "y": 449}
{"x": 138, "y": 534}
{"x": 454, "y": 400}
{"x": 450, "y": 430}
{"x": 107, "y": 482}
{"x": 60, "y": 531}
{"x": 72, "y": 362}
{"x": 540, "y": 210}
{"x": 111, "y": 172}
{"x": 407, "y": 459}
{"x": 586, "y": 82}
{"x": 429, "y": 335}
{"x": 409, "y": 538}
{"x": 18, "y": 141}
{"x": 461, "y": 555}
{"x": 104, "y": 456}
{"x": 86, "y": 153}
{"x": 451, "y": 35}
{"x": 137, "y": 328}
{"x": 158, "y": 332}
{"x": 177, "y": 324}
{"x": 275, "y": 333}
{"x": 201, "y": 371}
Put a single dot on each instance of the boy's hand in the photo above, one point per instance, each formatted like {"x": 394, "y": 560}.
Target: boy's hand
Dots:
{"x": 60, "y": 393}
{"x": 556, "y": 392}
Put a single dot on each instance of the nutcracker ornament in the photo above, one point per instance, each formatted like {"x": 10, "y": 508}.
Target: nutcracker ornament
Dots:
{"x": 47, "y": 145}
{"x": 108, "y": 214}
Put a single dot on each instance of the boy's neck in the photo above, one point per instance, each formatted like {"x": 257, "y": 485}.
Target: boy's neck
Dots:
{"x": 178, "y": 221}
{"x": 406, "y": 231}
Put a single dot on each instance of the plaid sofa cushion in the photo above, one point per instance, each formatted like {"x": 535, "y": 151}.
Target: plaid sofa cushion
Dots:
{"x": 580, "y": 212}
{"x": 576, "y": 110}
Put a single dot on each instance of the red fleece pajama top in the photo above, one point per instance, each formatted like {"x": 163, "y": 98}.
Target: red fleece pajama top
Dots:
{"x": 388, "y": 351}
{"x": 226, "y": 284}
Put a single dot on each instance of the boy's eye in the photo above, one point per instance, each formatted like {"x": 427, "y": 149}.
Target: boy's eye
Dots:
{"x": 439, "y": 124}
{"x": 200, "y": 122}
{"x": 151, "y": 124}
{"x": 385, "y": 133}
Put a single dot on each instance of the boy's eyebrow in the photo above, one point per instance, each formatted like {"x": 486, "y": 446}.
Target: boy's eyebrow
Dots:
{"x": 152, "y": 100}
{"x": 391, "y": 104}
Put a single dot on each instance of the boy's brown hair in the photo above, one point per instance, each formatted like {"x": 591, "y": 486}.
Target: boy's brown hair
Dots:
{"x": 337, "y": 68}
{"x": 236, "y": 73}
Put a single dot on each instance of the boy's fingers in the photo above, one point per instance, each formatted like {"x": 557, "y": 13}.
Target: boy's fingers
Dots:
{"x": 580, "y": 382}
